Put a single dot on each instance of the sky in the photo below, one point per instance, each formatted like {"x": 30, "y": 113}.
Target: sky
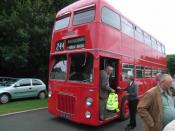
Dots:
{"x": 157, "y": 17}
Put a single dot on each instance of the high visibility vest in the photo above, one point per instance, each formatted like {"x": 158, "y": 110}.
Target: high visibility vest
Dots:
{"x": 112, "y": 102}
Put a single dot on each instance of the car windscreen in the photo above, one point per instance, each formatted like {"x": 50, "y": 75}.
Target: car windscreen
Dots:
{"x": 81, "y": 68}
{"x": 62, "y": 23}
{"x": 59, "y": 68}
{"x": 7, "y": 81}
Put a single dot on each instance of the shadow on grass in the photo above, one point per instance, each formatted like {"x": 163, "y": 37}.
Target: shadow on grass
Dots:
{"x": 25, "y": 99}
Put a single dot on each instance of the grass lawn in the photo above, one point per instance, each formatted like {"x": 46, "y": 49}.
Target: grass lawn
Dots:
{"x": 22, "y": 105}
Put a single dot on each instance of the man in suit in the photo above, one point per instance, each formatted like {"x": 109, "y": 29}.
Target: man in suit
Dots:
{"x": 156, "y": 107}
{"x": 104, "y": 90}
{"x": 132, "y": 93}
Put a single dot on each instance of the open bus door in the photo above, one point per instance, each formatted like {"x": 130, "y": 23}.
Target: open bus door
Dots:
{"x": 113, "y": 80}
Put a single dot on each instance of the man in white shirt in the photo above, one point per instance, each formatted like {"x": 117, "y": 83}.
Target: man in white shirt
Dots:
{"x": 170, "y": 126}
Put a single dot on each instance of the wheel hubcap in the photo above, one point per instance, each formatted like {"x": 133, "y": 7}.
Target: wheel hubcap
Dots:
{"x": 4, "y": 99}
{"x": 42, "y": 95}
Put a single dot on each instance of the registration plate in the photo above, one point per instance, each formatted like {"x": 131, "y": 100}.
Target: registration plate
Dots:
{"x": 65, "y": 116}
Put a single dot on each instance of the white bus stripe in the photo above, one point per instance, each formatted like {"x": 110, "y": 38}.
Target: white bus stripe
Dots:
{"x": 23, "y": 111}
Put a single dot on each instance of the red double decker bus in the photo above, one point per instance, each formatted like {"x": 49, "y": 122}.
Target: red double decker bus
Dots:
{"x": 87, "y": 35}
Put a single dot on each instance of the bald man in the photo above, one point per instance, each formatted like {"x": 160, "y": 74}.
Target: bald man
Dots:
{"x": 156, "y": 107}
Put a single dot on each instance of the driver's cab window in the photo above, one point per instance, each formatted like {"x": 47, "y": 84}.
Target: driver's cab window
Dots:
{"x": 59, "y": 69}
{"x": 81, "y": 68}
{"x": 104, "y": 62}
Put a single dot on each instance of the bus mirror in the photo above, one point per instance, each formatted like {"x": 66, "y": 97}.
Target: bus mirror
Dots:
{"x": 85, "y": 59}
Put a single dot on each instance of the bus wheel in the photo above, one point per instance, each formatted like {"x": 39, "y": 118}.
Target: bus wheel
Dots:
{"x": 124, "y": 109}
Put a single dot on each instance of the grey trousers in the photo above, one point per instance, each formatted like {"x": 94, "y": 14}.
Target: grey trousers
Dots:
{"x": 102, "y": 108}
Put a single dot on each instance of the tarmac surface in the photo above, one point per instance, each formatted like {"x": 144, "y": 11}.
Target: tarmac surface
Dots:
{"x": 41, "y": 120}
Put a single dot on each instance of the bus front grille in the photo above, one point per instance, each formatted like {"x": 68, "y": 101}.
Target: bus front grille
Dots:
{"x": 66, "y": 103}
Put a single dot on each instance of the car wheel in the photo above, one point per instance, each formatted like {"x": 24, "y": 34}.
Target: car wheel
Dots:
{"x": 42, "y": 95}
{"x": 4, "y": 98}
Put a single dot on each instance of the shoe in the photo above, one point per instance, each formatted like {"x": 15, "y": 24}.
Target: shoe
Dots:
{"x": 102, "y": 118}
{"x": 129, "y": 127}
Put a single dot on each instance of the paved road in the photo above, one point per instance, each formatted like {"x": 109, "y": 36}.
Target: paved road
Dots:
{"x": 41, "y": 120}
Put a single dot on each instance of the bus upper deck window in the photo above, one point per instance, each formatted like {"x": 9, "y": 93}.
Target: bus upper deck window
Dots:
{"x": 62, "y": 22}
{"x": 84, "y": 16}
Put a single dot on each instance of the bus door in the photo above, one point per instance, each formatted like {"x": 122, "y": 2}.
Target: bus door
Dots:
{"x": 104, "y": 62}
{"x": 113, "y": 83}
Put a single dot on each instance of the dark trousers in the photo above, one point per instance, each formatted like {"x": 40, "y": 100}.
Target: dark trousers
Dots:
{"x": 132, "y": 110}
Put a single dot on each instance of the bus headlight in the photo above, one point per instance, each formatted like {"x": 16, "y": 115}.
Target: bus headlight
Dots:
{"x": 89, "y": 101}
{"x": 49, "y": 94}
{"x": 88, "y": 115}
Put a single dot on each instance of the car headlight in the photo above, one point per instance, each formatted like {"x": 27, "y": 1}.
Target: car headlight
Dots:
{"x": 89, "y": 101}
{"x": 49, "y": 94}
{"x": 87, "y": 114}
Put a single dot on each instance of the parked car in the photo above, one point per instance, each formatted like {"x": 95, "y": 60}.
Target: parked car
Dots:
{"x": 14, "y": 88}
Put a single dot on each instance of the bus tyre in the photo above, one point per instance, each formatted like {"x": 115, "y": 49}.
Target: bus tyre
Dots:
{"x": 124, "y": 109}
{"x": 42, "y": 95}
{"x": 4, "y": 98}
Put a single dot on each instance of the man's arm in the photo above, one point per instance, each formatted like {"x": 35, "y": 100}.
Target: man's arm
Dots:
{"x": 104, "y": 82}
{"x": 143, "y": 107}
{"x": 123, "y": 89}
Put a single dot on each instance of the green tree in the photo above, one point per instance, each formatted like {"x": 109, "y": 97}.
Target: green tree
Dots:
{"x": 171, "y": 64}
{"x": 25, "y": 35}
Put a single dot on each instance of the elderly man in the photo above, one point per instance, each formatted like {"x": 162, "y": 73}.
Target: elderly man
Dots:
{"x": 104, "y": 89}
{"x": 132, "y": 91}
{"x": 157, "y": 78}
{"x": 156, "y": 107}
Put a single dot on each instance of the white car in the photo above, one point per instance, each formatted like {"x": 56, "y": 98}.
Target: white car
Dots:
{"x": 14, "y": 88}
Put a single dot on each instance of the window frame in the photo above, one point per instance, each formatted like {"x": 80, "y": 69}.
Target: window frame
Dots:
{"x": 83, "y": 10}
{"x": 154, "y": 43}
{"x": 140, "y": 68}
{"x": 69, "y": 68}
{"x": 108, "y": 24}
{"x": 55, "y": 62}
{"x": 37, "y": 81}
{"x": 148, "y": 69}
{"x": 24, "y": 85}
{"x": 66, "y": 15}
{"x": 130, "y": 67}
{"x": 139, "y": 31}
{"x": 125, "y": 24}
{"x": 154, "y": 71}
{"x": 147, "y": 38}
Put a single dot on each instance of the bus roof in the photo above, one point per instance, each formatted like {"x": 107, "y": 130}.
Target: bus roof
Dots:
{"x": 76, "y": 5}
{"x": 85, "y": 3}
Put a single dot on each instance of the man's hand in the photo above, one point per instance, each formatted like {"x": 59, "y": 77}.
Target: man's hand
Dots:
{"x": 119, "y": 88}
{"x": 112, "y": 90}
{"x": 127, "y": 94}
